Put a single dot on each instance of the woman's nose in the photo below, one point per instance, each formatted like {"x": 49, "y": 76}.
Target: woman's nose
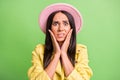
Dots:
{"x": 61, "y": 27}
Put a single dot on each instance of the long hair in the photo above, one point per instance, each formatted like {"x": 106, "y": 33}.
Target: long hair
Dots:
{"x": 48, "y": 41}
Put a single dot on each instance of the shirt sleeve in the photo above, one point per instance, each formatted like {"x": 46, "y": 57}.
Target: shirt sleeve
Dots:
{"x": 36, "y": 71}
{"x": 81, "y": 71}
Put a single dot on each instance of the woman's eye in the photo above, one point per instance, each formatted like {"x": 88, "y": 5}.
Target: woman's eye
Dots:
{"x": 55, "y": 24}
{"x": 66, "y": 23}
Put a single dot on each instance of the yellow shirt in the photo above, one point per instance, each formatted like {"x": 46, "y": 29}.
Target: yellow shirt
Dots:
{"x": 81, "y": 71}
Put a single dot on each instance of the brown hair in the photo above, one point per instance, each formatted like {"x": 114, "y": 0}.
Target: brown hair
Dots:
{"x": 48, "y": 42}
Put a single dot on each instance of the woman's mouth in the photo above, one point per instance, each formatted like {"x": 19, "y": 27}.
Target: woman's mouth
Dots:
{"x": 60, "y": 35}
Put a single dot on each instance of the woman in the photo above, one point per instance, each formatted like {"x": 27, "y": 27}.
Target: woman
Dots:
{"x": 60, "y": 58}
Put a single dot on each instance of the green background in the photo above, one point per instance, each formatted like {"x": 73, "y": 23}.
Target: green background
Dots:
{"x": 20, "y": 33}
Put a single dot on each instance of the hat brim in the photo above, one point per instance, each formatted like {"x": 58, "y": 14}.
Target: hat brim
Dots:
{"x": 60, "y": 6}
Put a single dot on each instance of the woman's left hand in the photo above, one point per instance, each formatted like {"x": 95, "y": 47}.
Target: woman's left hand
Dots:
{"x": 66, "y": 63}
{"x": 65, "y": 45}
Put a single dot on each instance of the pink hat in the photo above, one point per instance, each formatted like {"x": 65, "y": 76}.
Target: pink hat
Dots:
{"x": 56, "y": 7}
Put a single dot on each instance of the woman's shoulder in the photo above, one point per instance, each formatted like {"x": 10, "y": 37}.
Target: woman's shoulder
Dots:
{"x": 81, "y": 46}
{"x": 39, "y": 48}
{"x": 81, "y": 52}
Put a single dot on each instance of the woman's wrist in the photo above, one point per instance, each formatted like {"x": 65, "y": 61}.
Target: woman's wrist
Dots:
{"x": 63, "y": 54}
{"x": 57, "y": 54}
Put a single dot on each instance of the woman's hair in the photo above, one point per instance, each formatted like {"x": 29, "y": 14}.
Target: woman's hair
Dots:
{"x": 48, "y": 41}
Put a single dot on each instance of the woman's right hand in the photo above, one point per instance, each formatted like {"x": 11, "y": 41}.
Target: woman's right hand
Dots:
{"x": 55, "y": 43}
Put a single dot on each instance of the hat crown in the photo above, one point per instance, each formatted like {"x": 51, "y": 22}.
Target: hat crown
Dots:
{"x": 58, "y": 7}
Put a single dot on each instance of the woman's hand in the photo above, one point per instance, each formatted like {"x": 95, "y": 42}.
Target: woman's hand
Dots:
{"x": 66, "y": 43}
{"x": 55, "y": 43}
{"x": 67, "y": 65}
{"x": 64, "y": 46}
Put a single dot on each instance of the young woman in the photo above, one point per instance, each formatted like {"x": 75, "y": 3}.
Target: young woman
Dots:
{"x": 60, "y": 58}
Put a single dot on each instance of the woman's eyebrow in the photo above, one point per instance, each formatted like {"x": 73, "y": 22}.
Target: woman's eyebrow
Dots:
{"x": 65, "y": 21}
{"x": 55, "y": 22}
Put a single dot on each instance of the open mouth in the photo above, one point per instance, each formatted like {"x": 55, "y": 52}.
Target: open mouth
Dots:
{"x": 60, "y": 35}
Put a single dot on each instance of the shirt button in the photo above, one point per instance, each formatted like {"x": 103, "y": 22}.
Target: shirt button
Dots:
{"x": 78, "y": 50}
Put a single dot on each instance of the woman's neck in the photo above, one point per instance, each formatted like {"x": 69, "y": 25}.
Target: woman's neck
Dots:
{"x": 60, "y": 44}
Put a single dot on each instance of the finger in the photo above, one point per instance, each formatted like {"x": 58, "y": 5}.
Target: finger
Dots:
{"x": 67, "y": 40}
{"x": 52, "y": 35}
{"x": 54, "y": 42}
{"x": 69, "y": 35}
{"x": 53, "y": 38}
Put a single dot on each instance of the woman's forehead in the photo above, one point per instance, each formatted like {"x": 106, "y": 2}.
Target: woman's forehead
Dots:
{"x": 60, "y": 16}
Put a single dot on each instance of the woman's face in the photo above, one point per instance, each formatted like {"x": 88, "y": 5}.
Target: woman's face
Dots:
{"x": 60, "y": 26}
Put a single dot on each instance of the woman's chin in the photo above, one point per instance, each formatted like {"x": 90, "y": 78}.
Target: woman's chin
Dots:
{"x": 60, "y": 40}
